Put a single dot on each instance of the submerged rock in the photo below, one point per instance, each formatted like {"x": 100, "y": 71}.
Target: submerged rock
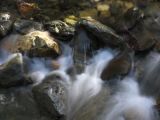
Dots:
{"x": 5, "y": 24}
{"x": 60, "y": 29}
{"x": 26, "y": 26}
{"x": 51, "y": 96}
{"x": 120, "y": 65}
{"x": 12, "y": 73}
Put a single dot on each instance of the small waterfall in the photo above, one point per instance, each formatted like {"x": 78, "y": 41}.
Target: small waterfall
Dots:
{"x": 151, "y": 80}
{"x": 87, "y": 84}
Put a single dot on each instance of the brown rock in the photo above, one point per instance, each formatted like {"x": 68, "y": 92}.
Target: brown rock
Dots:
{"x": 26, "y": 9}
{"x": 120, "y": 65}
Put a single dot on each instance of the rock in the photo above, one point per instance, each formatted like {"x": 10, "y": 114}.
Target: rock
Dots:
{"x": 91, "y": 12}
{"x": 71, "y": 20}
{"x": 11, "y": 72}
{"x": 103, "y": 10}
{"x": 5, "y": 24}
{"x": 35, "y": 44}
{"x": 158, "y": 104}
{"x": 18, "y": 104}
{"x": 26, "y": 9}
{"x": 157, "y": 46}
{"x": 144, "y": 40}
{"x": 51, "y": 96}
{"x": 102, "y": 33}
{"x": 129, "y": 20}
{"x": 83, "y": 47}
{"x": 120, "y": 65}
{"x": 26, "y": 26}
{"x": 91, "y": 35}
{"x": 60, "y": 30}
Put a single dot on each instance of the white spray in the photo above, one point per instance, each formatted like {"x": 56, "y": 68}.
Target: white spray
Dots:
{"x": 129, "y": 104}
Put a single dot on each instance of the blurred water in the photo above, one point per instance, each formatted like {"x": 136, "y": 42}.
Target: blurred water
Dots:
{"x": 128, "y": 101}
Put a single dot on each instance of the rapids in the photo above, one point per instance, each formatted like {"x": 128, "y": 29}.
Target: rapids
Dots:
{"x": 124, "y": 102}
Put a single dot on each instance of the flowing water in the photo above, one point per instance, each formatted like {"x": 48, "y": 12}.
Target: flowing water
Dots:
{"x": 125, "y": 102}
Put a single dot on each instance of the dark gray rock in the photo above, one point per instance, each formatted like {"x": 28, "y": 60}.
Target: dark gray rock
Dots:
{"x": 101, "y": 32}
{"x": 19, "y": 104}
{"x": 60, "y": 30}
{"x": 5, "y": 24}
{"x": 26, "y": 26}
{"x": 51, "y": 96}
{"x": 11, "y": 72}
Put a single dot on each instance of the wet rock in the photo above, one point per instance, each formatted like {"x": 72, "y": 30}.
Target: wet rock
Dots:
{"x": 103, "y": 10}
{"x": 102, "y": 33}
{"x": 26, "y": 26}
{"x": 83, "y": 48}
{"x": 5, "y": 24}
{"x": 91, "y": 12}
{"x": 18, "y": 104}
{"x": 26, "y": 9}
{"x": 120, "y": 65}
{"x": 71, "y": 20}
{"x": 152, "y": 20}
{"x": 51, "y": 96}
{"x": 11, "y": 72}
{"x": 157, "y": 46}
{"x": 143, "y": 39}
{"x": 91, "y": 35}
{"x": 35, "y": 44}
{"x": 60, "y": 29}
{"x": 129, "y": 20}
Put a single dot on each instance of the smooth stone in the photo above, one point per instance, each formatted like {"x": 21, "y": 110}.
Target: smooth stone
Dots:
{"x": 12, "y": 73}
{"x": 51, "y": 96}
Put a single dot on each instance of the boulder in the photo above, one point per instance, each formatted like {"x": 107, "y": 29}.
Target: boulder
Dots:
{"x": 91, "y": 35}
{"x": 51, "y": 96}
{"x": 11, "y": 72}
{"x": 60, "y": 30}
{"x": 27, "y": 9}
{"x": 19, "y": 104}
{"x": 34, "y": 44}
{"x": 5, "y": 24}
{"x": 100, "y": 32}
{"x": 120, "y": 65}
{"x": 143, "y": 39}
